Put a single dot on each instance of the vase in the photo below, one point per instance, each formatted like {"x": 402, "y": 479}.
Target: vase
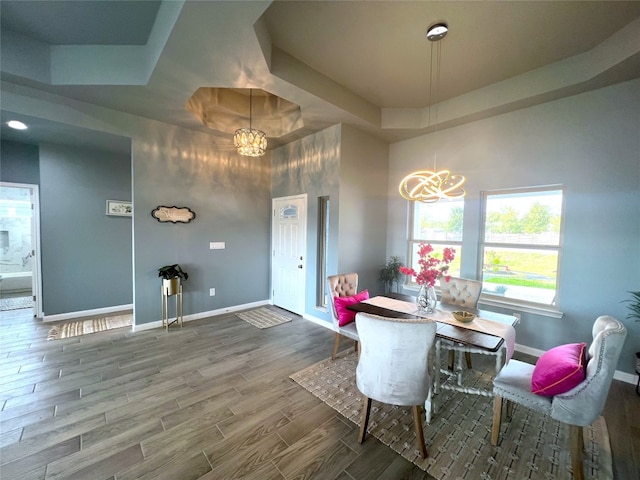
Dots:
{"x": 170, "y": 286}
{"x": 427, "y": 299}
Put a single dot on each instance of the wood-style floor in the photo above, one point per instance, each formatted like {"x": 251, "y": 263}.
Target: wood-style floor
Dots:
{"x": 212, "y": 400}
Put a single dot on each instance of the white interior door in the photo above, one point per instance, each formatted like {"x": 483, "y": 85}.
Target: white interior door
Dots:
{"x": 288, "y": 240}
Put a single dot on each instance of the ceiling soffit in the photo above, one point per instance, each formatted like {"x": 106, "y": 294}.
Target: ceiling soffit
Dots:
{"x": 578, "y": 73}
{"x": 227, "y": 109}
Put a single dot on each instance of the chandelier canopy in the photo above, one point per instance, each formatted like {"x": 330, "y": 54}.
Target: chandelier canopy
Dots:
{"x": 429, "y": 186}
{"x": 249, "y": 141}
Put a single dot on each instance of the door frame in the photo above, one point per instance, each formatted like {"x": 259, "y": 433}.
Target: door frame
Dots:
{"x": 36, "y": 264}
{"x": 304, "y": 198}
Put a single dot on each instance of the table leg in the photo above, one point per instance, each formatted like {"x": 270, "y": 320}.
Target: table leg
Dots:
{"x": 499, "y": 361}
{"x": 436, "y": 377}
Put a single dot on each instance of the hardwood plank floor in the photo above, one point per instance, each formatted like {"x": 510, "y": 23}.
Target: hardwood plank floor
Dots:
{"x": 210, "y": 401}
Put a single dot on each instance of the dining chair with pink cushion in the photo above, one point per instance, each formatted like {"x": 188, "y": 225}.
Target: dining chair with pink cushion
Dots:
{"x": 562, "y": 386}
{"x": 394, "y": 366}
{"x": 343, "y": 290}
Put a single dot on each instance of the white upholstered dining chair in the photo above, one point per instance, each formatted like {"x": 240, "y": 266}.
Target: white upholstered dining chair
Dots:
{"x": 342, "y": 285}
{"x": 578, "y": 407}
{"x": 463, "y": 293}
{"x": 393, "y": 366}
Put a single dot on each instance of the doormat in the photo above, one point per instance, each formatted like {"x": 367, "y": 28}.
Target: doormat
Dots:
{"x": 458, "y": 439}
{"x": 16, "y": 303}
{"x": 263, "y": 318}
{"x": 93, "y": 325}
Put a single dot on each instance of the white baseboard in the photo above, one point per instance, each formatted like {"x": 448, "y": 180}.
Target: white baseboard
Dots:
{"x": 87, "y": 313}
{"x": 528, "y": 350}
{"x": 201, "y": 315}
{"x": 319, "y": 321}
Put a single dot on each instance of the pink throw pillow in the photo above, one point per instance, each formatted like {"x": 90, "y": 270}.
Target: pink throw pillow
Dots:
{"x": 559, "y": 369}
{"x": 341, "y": 303}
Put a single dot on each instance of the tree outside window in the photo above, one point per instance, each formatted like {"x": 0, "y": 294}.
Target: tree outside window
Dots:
{"x": 521, "y": 244}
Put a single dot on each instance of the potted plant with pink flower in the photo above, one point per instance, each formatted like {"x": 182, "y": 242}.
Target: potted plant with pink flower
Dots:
{"x": 432, "y": 267}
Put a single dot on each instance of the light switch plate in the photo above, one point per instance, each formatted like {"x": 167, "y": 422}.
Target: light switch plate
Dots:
{"x": 212, "y": 292}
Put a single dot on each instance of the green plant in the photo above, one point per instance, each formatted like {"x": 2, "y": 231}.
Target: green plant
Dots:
{"x": 172, "y": 271}
{"x": 634, "y": 305}
{"x": 390, "y": 273}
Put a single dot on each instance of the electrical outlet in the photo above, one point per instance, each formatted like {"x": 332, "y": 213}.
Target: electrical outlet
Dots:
{"x": 212, "y": 292}
{"x": 216, "y": 245}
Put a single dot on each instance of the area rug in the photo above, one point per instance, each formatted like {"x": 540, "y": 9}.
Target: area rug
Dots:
{"x": 93, "y": 325}
{"x": 263, "y": 318}
{"x": 532, "y": 445}
{"x": 16, "y": 303}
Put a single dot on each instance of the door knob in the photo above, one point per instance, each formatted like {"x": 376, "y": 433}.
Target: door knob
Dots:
{"x": 299, "y": 266}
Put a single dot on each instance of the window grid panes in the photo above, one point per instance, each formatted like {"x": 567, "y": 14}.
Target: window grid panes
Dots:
{"x": 439, "y": 224}
{"x": 521, "y": 244}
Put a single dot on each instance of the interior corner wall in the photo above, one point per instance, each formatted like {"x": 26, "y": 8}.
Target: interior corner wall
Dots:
{"x": 364, "y": 170}
{"x": 588, "y": 143}
{"x": 311, "y": 165}
{"x": 177, "y": 166}
{"x": 86, "y": 255}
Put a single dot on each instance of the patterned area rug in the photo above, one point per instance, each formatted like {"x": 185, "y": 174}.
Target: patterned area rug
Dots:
{"x": 459, "y": 437}
{"x": 93, "y": 325}
{"x": 16, "y": 303}
{"x": 263, "y": 318}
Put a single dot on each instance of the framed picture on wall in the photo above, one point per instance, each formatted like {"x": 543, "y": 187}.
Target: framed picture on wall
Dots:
{"x": 119, "y": 208}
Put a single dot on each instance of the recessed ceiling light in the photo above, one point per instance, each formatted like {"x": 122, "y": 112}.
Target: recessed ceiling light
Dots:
{"x": 16, "y": 125}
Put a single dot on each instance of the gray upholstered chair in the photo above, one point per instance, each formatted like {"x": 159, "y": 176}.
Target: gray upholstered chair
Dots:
{"x": 463, "y": 293}
{"x": 394, "y": 367}
{"x": 342, "y": 285}
{"x": 578, "y": 407}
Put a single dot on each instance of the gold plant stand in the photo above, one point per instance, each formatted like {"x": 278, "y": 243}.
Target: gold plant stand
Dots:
{"x": 168, "y": 292}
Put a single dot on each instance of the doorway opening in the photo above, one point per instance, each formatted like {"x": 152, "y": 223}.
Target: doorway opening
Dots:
{"x": 19, "y": 247}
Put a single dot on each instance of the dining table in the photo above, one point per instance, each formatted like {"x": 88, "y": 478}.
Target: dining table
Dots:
{"x": 490, "y": 333}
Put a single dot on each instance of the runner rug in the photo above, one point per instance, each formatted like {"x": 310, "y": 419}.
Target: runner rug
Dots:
{"x": 16, "y": 303}
{"x": 93, "y": 325}
{"x": 532, "y": 445}
{"x": 263, "y": 318}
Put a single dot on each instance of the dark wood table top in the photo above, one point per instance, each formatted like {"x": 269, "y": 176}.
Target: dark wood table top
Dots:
{"x": 450, "y": 332}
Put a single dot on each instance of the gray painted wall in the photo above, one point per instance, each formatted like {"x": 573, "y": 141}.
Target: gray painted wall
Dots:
{"x": 350, "y": 167}
{"x": 230, "y": 196}
{"x": 19, "y": 163}
{"x": 589, "y": 143}
{"x": 364, "y": 171}
{"x": 86, "y": 255}
{"x": 312, "y": 165}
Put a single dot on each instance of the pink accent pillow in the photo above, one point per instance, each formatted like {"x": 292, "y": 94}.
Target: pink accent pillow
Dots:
{"x": 341, "y": 303}
{"x": 559, "y": 369}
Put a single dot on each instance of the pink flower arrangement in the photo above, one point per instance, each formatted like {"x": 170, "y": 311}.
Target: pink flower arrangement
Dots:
{"x": 432, "y": 267}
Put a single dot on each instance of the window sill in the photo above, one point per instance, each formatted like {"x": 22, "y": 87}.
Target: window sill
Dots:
{"x": 544, "y": 310}
{"x": 492, "y": 301}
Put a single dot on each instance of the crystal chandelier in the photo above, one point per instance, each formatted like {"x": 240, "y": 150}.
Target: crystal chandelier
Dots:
{"x": 248, "y": 141}
{"x": 429, "y": 186}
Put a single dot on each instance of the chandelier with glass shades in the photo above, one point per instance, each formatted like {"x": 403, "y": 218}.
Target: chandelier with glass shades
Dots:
{"x": 249, "y": 141}
{"x": 429, "y": 186}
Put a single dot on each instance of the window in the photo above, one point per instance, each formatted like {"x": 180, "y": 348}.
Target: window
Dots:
{"x": 439, "y": 224}
{"x": 323, "y": 246}
{"x": 520, "y": 247}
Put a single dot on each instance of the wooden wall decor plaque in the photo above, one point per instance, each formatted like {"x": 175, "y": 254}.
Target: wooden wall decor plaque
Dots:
{"x": 173, "y": 214}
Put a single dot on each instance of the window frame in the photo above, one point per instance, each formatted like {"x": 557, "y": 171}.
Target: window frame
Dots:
{"x": 324, "y": 211}
{"x": 438, "y": 245}
{"x": 522, "y": 305}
